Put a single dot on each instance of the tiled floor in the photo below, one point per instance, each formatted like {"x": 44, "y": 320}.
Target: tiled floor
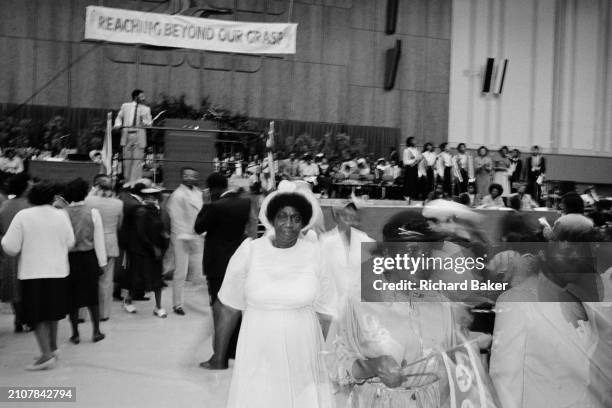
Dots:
{"x": 143, "y": 362}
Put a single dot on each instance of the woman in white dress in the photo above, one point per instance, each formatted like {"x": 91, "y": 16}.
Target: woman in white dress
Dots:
{"x": 287, "y": 300}
{"x": 501, "y": 171}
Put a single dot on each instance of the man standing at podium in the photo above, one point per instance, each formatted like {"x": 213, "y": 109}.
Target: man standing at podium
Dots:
{"x": 131, "y": 117}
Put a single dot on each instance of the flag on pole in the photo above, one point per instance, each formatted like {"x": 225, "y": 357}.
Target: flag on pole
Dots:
{"x": 270, "y": 146}
{"x": 107, "y": 146}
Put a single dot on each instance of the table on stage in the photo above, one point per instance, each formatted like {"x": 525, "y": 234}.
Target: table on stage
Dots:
{"x": 375, "y": 189}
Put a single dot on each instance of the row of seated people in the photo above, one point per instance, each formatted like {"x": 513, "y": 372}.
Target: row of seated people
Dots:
{"x": 417, "y": 171}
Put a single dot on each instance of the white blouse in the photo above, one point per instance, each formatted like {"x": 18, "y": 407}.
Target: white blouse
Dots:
{"x": 42, "y": 236}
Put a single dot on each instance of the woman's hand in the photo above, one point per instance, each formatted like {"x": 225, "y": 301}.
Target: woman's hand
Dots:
{"x": 384, "y": 367}
{"x": 387, "y": 369}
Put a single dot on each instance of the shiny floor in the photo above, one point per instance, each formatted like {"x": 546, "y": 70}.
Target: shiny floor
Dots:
{"x": 144, "y": 361}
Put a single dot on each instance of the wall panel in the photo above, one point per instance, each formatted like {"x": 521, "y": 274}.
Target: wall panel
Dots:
{"x": 54, "y": 18}
{"x": 19, "y": 19}
{"x": 88, "y": 81}
{"x": 52, "y": 75}
{"x": 363, "y": 58}
{"x": 412, "y": 17}
{"x": 18, "y": 66}
{"x": 413, "y": 64}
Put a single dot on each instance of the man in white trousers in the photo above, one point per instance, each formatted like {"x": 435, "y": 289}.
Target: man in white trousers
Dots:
{"x": 133, "y": 139}
{"x": 111, "y": 209}
{"x": 183, "y": 207}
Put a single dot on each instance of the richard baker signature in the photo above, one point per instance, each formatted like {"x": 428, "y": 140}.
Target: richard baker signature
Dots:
{"x": 427, "y": 284}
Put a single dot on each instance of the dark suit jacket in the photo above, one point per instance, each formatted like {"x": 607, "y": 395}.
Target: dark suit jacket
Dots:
{"x": 518, "y": 172}
{"x": 130, "y": 204}
{"x": 531, "y": 176}
{"x": 148, "y": 233}
{"x": 224, "y": 222}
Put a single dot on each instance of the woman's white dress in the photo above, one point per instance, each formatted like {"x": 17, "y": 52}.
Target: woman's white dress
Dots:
{"x": 277, "y": 357}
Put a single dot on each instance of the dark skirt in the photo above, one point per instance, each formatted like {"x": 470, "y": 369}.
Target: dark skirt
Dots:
{"x": 411, "y": 181}
{"x": 144, "y": 273}
{"x": 462, "y": 185}
{"x": 447, "y": 181}
{"x": 9, "y": 284}
{"x": 44, "y": 300}
{"x": 427, "y": 182}
{"x": 83, "y": 279}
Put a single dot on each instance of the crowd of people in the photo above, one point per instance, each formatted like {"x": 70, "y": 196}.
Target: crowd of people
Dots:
{"x": 290, "y": 302}
{"x": 421, "y": 174}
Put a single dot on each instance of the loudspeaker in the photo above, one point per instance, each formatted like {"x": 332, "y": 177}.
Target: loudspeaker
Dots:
{"x": 500, "y": 75}
{"x": 486, "y": 85}
{"x": 391, "y": 16}
{"x": 392, "y": 58}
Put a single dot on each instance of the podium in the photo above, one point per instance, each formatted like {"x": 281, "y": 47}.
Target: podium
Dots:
{"x": 186, "y": 144}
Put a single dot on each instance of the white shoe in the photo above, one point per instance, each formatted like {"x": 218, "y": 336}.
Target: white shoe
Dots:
{"x": 50, "y": 363}
{"x": 160, "y": 313}
{"x": 129, "y": 307}
{"x": 55, "y": 354}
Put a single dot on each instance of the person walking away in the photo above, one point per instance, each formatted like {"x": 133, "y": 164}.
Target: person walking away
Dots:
{"x": 224, "y": 221}
{"x": 183, "y": 207}
{"x": 18, "y": 186}
{"x": 86, "y": 258}
{"x": 111, "y": 210}
{"x": 42, "y": 236}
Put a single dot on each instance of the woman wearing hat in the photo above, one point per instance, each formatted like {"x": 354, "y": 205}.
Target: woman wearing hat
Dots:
{"x": 387, "y": 349}
{"x": 146, "y": 250}
{"x": 279, "y": 284}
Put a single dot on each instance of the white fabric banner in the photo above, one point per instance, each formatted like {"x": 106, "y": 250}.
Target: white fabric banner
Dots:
{"x": 165, "y": 30}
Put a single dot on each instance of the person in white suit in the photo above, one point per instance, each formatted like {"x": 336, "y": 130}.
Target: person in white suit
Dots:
{"x": 341, "y": 248}
{"x": 111, "y": 210}
{"x": 131, "y": 118}
{"x": 546, "y": 333}
{"x": 183, "y": 207}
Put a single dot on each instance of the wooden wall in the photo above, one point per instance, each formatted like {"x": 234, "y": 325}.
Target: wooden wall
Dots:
{"x": 336, "y": 75}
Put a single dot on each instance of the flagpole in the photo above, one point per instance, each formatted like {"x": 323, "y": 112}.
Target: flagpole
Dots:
{"x": 107, "y": 147}
{"x": 270, "y": 146}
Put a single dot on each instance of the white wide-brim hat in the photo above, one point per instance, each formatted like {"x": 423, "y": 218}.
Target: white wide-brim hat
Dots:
{"x": 151, "y": 190}
{"x": 290, "y": 187}
{"x": 444, "y": 209}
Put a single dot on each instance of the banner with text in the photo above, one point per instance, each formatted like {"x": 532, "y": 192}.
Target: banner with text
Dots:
{"x": 164, "y": 30}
